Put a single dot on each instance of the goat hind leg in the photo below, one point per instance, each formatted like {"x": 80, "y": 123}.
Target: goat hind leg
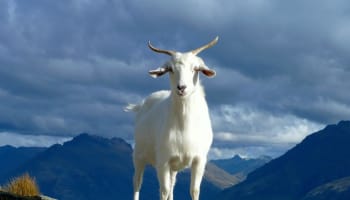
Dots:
{"x": 139, "y": 169}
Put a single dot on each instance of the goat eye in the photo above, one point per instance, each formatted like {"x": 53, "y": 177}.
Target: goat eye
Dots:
{"x": 169, "y": 69}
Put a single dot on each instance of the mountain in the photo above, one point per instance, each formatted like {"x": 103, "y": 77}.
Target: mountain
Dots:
{"x": 320, "y": 158}
{"x": 92, "y": 167}
{"x": 241, "y": 166}
{"x": 12, "y": 157}
{"x": 214, "y": 181}
{"x": 335, "y": 190}
{"x": 86, "y": 167}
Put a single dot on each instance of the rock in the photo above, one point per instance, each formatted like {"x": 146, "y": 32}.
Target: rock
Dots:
{"x": 9, "y": 196}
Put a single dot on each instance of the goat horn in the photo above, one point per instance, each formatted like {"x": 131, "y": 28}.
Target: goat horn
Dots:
{"x": 170, "y": 53}
{"x": 210, "y": 44}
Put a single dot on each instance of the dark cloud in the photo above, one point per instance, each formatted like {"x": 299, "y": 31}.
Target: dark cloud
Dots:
{"x": 70, "y": 66}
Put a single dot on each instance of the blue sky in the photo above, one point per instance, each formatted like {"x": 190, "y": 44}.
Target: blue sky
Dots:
{"x": 68, "y": 67}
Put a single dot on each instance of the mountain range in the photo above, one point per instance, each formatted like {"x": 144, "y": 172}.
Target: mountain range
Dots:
{"x": 92, "y": 167}
{"x": 317, "y": 168}
{"x": 241, "y": 167}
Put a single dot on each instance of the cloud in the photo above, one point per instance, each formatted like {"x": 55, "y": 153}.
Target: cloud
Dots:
{"x": 242, "y": 128}
{"x": 19, "y": 140}
{"x": 70, "y": 66}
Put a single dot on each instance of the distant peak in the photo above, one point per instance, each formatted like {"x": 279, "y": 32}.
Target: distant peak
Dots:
{"x": 82, "y": 135}
{"x": 237, "y": 157}
{"x": 7, "y": 146}
{"x": 344, "y": 123}
{"x": 86, "y": 138}
{"x": 118, "y": 140}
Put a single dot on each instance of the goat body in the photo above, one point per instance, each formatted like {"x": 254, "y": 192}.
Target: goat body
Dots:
{"x": 171, "y": 130}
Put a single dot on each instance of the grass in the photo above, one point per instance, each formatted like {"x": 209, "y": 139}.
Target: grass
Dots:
{"x": 23, "y": 185}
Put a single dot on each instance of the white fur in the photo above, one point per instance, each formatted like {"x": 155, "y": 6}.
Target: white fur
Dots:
{"x": 173, "y": 129}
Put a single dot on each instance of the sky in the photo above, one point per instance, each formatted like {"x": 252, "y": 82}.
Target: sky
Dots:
{"x": 68, "y": 67}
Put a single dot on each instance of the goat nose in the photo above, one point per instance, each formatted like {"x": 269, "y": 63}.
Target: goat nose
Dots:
{"x": 181, "y": 87}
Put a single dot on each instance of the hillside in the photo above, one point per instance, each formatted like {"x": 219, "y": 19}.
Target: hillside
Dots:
{"x": 320, "y": 158}
{"x": 91, "y": 167}
{"x": 219, "y": 177}
{"x": 12, "y": 157}
{"x": 335, "y": 190}
{"x": 83, "y": 168}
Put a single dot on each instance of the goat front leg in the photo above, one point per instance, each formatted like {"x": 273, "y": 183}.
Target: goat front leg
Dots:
{"x": 164, "y": 179}
{"x": 172, "y": 184}
{"x": 197, "y": 172}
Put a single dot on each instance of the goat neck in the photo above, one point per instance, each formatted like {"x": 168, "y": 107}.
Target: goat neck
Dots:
{"x": 182, "y": 106}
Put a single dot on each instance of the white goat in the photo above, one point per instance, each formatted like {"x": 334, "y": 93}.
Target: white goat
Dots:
{"x": 173, "y": 129}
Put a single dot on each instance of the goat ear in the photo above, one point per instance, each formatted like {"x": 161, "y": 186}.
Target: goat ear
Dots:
{"x": 206, "y": 71}
{"x": 158, "y": 72}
